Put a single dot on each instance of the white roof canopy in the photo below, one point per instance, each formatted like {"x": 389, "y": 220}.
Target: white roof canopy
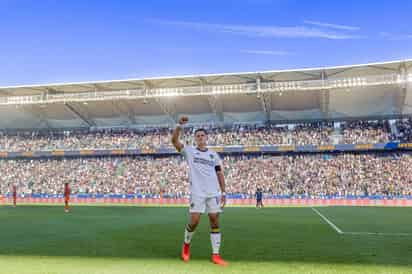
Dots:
{"x": 367, "y": 90}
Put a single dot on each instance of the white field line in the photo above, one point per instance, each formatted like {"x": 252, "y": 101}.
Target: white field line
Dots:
{"x": 378, "y": 233}
{"x": 339, "y": 231}
{"x": 328, "y": 221}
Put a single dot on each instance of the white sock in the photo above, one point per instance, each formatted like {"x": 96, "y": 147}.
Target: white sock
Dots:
{"x": 215, "y": 239}
{"x": 188, "y": 236}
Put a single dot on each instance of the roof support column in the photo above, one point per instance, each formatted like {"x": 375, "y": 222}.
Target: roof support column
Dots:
{"x": 403, "y": 89}
{"x": 215, "y": 102}
{"x": 165, "y": 106}
{"x": 324, "y": 97}
{"x": 265, "y": 100}
{"x": 84, "y": 117}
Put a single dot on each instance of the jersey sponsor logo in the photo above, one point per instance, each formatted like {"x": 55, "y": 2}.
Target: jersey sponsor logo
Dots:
{"x": 203, "y": 161}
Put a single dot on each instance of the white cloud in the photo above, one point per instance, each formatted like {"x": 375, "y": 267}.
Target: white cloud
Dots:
{"x": 263, "y": 31}
{"x": 331, "y": 26}
{"x": 268, "y": 52}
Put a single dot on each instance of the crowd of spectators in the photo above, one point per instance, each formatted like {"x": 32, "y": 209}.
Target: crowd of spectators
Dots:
{"x": 363, "y": 132}
{"x": 404, "y": 130}
{"x": 312, "y": 175}
{"x": 320, "y": 133}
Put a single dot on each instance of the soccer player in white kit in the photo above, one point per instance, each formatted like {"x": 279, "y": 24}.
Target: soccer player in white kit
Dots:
{"x": 207, "y": 188}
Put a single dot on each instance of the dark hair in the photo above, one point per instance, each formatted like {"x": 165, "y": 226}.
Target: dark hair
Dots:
{"x": 200, "y": 129}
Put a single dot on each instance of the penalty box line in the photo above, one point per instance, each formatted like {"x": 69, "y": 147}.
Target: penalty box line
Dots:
{"x": 340, "y": 231}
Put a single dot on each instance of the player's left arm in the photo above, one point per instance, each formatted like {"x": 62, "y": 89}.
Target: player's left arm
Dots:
{"x": 221, "y": 179}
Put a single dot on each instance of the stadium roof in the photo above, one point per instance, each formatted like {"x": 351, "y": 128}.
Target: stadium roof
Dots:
{"x": 366, "y": 90}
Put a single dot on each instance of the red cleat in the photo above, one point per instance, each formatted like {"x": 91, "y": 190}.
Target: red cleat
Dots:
{"x": 186, "y": 252}
{"x": 216, "y": 259}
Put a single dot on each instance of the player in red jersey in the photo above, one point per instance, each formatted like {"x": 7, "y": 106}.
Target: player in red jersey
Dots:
{"x": 14, "y": 196}
{"x": 66, "y": 197}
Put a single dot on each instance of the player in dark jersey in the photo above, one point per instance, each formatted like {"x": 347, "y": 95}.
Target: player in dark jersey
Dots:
{"x": 259, "y": 198}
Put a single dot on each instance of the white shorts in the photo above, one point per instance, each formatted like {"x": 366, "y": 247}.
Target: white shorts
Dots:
{"x": 204, "y": 205}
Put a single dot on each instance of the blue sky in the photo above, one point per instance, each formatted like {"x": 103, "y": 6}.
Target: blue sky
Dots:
{"x": 62, "y": 41}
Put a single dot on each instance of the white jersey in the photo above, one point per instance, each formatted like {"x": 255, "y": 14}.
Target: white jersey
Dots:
{"x": 202, "y": 174}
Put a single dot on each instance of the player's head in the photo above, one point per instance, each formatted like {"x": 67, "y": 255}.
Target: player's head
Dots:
{"x": 200, "y": 137}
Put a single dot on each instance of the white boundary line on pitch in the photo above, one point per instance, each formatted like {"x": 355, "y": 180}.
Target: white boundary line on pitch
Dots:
{"x": 340, "y": 231}
{"x": 378, "y": 233}
{"x": 337, "y": 229}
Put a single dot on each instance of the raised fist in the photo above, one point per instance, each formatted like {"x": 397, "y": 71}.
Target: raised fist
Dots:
{"x": 183, "y": 120}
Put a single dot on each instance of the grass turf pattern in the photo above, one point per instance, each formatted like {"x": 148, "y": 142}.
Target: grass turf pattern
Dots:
{"x": 104, "y": 239}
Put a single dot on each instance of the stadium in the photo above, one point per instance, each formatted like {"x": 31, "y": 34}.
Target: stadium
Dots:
{"x": 329, "y": 147}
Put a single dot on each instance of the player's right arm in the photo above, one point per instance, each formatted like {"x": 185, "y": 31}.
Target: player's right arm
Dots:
{"x": 176, "y": 132}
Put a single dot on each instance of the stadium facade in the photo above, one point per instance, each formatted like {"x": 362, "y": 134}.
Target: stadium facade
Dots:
{"x": 369, "y": 91}
{"x": 376, "y": 90}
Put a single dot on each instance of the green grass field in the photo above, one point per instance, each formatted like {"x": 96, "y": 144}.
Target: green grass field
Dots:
{"x": 100, "y": 239}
